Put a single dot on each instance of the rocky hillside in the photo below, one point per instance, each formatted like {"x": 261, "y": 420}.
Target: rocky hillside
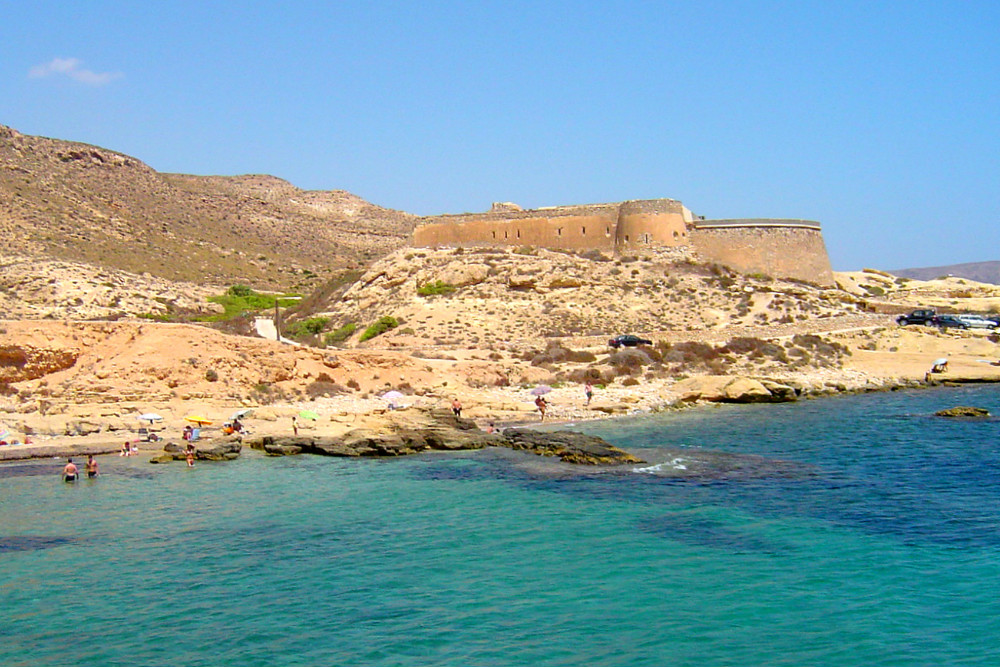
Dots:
{"x": 495, "y": 298}
{"x": 77, "y": 203}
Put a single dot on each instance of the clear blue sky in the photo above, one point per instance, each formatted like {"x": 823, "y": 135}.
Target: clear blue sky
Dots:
{"x": 880, "y": 120}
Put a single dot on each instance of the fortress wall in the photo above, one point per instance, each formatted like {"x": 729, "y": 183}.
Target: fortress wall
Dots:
{"x": 778, "y": 248}
{"x": 570, "y": 228}
{"x": 657, "y": 222}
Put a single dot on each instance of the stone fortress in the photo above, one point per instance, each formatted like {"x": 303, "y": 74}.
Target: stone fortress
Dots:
{"x": 778, "y": 248}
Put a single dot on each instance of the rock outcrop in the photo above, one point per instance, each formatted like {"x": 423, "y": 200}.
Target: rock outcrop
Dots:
{"x": 963, "y": 411}
{"x": 725, "y": 389}
{"x": 415, "y": 431}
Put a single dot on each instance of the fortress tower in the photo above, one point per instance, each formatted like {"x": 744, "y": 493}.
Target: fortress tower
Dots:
{"x": 779, "y": 248}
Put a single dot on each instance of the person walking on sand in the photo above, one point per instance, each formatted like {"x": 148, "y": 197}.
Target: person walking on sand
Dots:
{"x": 589, "y": 391}
{"x": 91, "y": 466}
{"x": 456, "y": 407}
{"x": 541, "y": 405}
{"x": 70, "y": 472}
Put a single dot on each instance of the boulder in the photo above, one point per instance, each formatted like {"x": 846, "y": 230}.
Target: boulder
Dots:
{"x": 963, "y": 411}
{"x": 463, "y": 275}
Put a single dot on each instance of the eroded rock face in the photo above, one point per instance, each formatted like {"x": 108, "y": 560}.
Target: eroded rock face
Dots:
{"x": 725, "y": 389}
{"x": 25, "y": 362}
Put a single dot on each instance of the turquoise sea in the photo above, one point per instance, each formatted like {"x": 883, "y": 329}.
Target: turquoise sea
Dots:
{"x": 846, "y": 531}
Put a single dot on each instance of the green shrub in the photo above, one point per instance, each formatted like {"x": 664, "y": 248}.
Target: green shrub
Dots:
{"x": 380, "y": 327}
{"x": 341, "y": 334}
{"x": 239, "y": 290}
{"x": 435, "y": 288}
{"x": 311, "y": 326}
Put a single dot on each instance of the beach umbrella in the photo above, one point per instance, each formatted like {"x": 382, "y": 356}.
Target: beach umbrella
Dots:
{"x": 541, "y": 389}
{"x": 239, "y": 414}
{"x": 940, "y": 362}
{"x": 4, "y": 434}
{"x": 392, "y": 396}
{"x": 150, "y": 417}
{"x": 200, "y": 421}
{"x": 308, "y": 414}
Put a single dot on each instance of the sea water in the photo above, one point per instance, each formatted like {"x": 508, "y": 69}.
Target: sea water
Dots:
{"x": 847, "y": 531}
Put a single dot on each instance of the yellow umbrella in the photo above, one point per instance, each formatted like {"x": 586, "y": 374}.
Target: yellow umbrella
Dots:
{"x": 201, "y": 421}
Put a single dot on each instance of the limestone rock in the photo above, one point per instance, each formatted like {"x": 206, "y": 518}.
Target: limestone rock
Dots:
{"x": 963, "y": 411}
{"x": 569, "y": 447}
{"x": 463, "y": 275}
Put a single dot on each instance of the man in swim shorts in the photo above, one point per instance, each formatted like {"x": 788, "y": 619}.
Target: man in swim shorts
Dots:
{"x": 70, "y": 472}
{"x": 91, "y": 466}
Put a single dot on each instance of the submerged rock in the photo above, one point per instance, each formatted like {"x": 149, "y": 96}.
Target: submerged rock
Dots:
{"x": 568, "y": 446}
{"x": 963, "y": 411}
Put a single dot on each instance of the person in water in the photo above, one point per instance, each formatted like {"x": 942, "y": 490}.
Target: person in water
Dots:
{"x": 91, "y": 466}
{"x": 70, "y": 472}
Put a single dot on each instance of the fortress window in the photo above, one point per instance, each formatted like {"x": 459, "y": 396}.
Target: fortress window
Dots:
{"x": 559, "y": 231}
{"x": 505, "y": 235}
{"x": 519, "y": 233}
{"x": 676, "y": 235}
{"x": 583, "y": 231}
{"x": 626, "y": 238}
{"x": 607, "y": 231}
{"x": 495, "y": 235}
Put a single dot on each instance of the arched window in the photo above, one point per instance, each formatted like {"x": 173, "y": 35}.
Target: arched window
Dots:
{"x": 626, "y": 238}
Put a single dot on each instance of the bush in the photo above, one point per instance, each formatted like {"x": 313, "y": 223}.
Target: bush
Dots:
{"x": 211, "y": 375}
{"x": 341, "y": 334}
{"x": 383, "y": 324}
{"x": 239, "y": 290}
{"x": 311, "y": 326}
{"x": 435, "y": 288}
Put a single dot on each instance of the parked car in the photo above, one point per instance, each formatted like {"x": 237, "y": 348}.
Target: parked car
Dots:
{"x": 917, "y": 317}
{"x": 949, "y": 322}
{"x": 628, "y": 340}
{"x": 978, "y": 321}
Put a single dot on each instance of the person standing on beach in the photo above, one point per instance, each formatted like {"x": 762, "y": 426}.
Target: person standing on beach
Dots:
{"x": 456, "y": 407}
{"x": 295, "y": 425}
{"x": 91, "y": 466}
{"x": 589, "y": 391}
{"x": 70, "y": 472}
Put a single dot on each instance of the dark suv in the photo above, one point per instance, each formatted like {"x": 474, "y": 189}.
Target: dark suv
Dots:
{"x": 917, "y": 317}
{"x": 628, "y": 340}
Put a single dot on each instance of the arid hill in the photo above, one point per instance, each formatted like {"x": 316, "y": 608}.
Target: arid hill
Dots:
{"x": 61, "y": 200}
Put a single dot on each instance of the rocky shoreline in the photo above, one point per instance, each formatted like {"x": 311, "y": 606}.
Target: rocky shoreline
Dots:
{"x": 372, "y": 431}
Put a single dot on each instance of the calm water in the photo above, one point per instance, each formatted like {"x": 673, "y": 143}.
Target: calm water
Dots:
{"x": 848, "y": 531}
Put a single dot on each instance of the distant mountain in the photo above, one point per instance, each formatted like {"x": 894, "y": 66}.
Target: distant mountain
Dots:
{"x": 983, "y": 272}
{"x": 67, "y": 201}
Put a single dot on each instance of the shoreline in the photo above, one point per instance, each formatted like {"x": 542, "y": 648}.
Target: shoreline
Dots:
{"x": 109, "y": 443}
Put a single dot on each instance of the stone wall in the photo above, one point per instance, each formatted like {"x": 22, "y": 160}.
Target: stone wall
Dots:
{"x": 566, "y": 227}
{"x": 778, "y": 248}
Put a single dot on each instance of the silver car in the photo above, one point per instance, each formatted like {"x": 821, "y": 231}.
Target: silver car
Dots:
{"x": 978, "y": 322}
